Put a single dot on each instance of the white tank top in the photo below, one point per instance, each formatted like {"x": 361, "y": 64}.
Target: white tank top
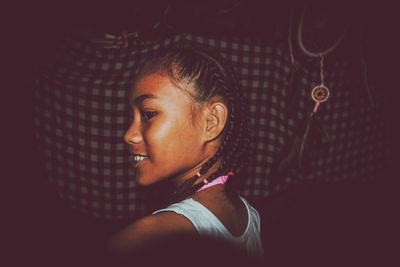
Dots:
{"x": 207, "y": 224}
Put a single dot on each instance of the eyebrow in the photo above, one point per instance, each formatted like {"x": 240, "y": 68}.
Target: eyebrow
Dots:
{"x": 138, "y": 100}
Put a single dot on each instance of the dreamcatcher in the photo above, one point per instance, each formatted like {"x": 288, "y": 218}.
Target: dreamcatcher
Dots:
{"x": 309, "y": 138}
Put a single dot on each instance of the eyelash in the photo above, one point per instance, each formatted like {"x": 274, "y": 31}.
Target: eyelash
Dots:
{"x": 148, "y": 115}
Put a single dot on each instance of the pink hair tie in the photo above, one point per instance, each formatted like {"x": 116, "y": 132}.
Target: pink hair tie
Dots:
{"x": 216, "y": 181}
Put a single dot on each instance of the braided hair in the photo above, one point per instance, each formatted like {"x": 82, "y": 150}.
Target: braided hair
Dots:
{"x": 203, "y": 75}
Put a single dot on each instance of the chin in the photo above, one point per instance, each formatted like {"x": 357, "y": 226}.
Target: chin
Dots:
{"x": 144, "y": 181}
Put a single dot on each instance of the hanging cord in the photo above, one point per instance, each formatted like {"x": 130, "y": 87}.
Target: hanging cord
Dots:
{"x": 321, "y": 72}
{"x": 304, "y": 139}
{"x": 364, "y": 69}
{"x": 321, "y": 53}
{"x": 291, "y": 85}
{"x": 290, "y": 36}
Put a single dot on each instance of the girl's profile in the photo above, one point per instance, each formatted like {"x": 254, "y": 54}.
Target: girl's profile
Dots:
{"x": 190, "y": 127}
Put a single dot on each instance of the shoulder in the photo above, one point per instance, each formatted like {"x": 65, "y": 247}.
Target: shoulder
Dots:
{"x": 150, "y": 231}
{"x": 165, "y": 222}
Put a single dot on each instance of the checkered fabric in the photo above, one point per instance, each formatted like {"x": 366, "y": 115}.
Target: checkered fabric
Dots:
{"x": 81, "y": 113}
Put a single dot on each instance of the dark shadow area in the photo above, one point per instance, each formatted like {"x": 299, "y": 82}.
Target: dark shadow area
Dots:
{"x": 348, "y": 224}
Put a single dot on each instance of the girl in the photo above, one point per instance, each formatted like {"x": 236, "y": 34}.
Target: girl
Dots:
{"x": 190, "y": 127}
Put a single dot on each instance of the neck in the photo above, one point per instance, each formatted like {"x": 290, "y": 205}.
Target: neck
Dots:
{"x": 181, "y": 192}
{"x": 182, "y": 178}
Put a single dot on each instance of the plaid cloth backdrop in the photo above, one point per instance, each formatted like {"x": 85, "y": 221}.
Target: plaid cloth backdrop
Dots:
{"x": 81, "y": 113}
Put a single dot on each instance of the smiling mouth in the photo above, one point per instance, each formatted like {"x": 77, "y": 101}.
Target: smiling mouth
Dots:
{"x": 137, "y": 159}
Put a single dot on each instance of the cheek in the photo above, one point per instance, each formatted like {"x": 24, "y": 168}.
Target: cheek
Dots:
{"x": 175, "y": 139}
{"x": 159, "y": 137}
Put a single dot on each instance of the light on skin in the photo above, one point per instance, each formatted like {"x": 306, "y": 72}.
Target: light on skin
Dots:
{"x": 175, "y": 141}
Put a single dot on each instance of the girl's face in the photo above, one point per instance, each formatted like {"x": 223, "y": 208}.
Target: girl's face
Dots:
{"x": 165, "y": 138}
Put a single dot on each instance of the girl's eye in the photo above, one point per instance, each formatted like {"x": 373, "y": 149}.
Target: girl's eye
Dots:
{"x": 148, "y": 115}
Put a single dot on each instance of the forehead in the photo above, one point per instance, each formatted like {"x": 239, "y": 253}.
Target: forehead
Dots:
{"x": 157, "y": 87}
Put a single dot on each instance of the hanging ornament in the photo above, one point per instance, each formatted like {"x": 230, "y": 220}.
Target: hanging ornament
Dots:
{"x": 310, "y": 134}
{"x": 320, "y": 93}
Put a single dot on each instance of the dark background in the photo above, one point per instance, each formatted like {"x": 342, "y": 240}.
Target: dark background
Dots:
{"x": 306, "y": 226}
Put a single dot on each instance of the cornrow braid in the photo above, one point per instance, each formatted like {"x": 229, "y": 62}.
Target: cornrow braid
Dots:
{"x": 227, "y": 142}
{"x": 204, "y": 75}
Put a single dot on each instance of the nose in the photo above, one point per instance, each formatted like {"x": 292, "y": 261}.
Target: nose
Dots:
{"x": 133, "y": 134}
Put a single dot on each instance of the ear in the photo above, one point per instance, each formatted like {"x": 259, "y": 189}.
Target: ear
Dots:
{"x": 216, "y": 115}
